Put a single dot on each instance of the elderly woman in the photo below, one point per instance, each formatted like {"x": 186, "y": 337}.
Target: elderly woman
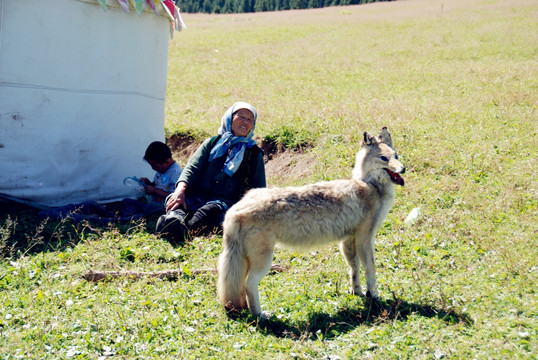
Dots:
{"x": 216, "y": 176}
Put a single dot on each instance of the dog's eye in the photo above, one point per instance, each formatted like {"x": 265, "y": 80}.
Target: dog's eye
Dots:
{"x": 384, "y": 158}
{"x": 396, "y": 156}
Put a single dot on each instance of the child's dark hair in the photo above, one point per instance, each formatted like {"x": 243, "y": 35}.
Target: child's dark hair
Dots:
{"x": 158, "y": 151}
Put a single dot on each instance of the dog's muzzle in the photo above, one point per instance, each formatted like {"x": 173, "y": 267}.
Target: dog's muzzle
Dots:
{"x": 395, "y": 178}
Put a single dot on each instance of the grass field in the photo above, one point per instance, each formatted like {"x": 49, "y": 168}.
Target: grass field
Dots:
{"x": 455, "y": 81}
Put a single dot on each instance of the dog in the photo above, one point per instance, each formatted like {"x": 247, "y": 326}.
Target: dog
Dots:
{"x": 346, "y": 210}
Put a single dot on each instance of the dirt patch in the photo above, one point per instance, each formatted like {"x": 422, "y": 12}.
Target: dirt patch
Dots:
{"x": 280, "y": 163}
{"x": 182, "y": 147}
{"x": 289, "y": 165}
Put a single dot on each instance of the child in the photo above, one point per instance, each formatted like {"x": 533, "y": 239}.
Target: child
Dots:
{"x": 167, "y": 171}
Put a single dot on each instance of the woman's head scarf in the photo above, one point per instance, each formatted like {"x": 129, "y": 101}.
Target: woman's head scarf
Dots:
{"x": 227, "y": 141}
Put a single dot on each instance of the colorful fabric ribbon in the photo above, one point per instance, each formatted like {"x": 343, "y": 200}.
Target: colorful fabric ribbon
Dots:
{"x": 103, "y": 4}
{"x": 172, "y": 11}
{"x": 180, "y": 25}
{"x": 124, "y": 5}
{"x": 169, "y": 7}
{"x": 153, "y": 6}
{"x": 138, "y": 5}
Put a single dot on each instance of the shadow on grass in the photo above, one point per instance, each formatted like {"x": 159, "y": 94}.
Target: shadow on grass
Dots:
{"x": 328, "y": 326}
{"x": 24, "y": 232}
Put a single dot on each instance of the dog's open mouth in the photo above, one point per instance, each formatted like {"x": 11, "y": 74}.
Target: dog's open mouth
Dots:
{"x": 396, "y": 178}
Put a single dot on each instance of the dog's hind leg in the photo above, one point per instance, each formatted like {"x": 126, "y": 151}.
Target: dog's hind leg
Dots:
{"x": 349, "y": 250}
{"x": 366, "y": 254}
{"x": 260, "y": 259}
{"x": 232, "y": 269}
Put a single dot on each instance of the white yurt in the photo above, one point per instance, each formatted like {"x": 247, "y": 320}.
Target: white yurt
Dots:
{"x": 82, "y": 92}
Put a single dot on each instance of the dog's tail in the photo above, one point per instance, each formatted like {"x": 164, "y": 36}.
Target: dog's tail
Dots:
{"x": 232, "y": 268}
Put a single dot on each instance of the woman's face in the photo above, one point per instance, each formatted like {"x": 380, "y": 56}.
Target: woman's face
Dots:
{"x": 242, "y": 122}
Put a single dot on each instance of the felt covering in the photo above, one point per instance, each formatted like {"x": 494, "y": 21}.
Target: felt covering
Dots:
{"x": 82, "y": 95}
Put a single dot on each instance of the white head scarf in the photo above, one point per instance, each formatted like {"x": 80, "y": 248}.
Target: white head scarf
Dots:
{"x": 238, "y": 144}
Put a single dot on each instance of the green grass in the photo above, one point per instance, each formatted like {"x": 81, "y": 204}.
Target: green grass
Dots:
{"x": 455, "y": 82}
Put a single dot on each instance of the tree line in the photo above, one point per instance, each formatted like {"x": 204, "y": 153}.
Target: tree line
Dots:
{"x": 246, "y": 6}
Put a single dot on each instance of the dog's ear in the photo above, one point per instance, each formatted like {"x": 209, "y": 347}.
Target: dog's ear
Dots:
{"x": 368, "y": 140}
{"x": 384, "y": 136}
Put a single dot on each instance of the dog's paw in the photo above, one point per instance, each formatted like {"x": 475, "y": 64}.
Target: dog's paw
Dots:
{"x": 265, "y": 315}
{"x": 357, "y": 291}
{"x": 372, "y": 294}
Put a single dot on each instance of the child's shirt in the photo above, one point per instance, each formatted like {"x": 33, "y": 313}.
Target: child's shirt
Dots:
{"x": 167, "y": 181}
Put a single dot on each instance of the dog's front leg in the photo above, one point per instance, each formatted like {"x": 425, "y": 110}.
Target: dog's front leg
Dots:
{"x": 366, "y": 254}
{"x": 349, "y": 250}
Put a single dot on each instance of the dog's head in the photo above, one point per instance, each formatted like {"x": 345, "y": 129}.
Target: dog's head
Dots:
{"x": 378, "y": 159}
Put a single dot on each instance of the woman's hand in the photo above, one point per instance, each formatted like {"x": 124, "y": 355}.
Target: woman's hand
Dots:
{"x": 177, "y": 198}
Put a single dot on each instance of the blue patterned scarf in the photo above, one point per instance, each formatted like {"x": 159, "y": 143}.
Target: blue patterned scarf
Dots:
{"x": 228, "y": 141}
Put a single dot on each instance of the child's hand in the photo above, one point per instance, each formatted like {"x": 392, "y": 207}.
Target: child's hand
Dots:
{"x": 150, "y": 189}
{"x": 145, "y": 180}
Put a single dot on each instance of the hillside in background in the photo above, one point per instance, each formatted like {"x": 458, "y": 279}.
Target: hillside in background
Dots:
{"x": 248, "y": 6}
